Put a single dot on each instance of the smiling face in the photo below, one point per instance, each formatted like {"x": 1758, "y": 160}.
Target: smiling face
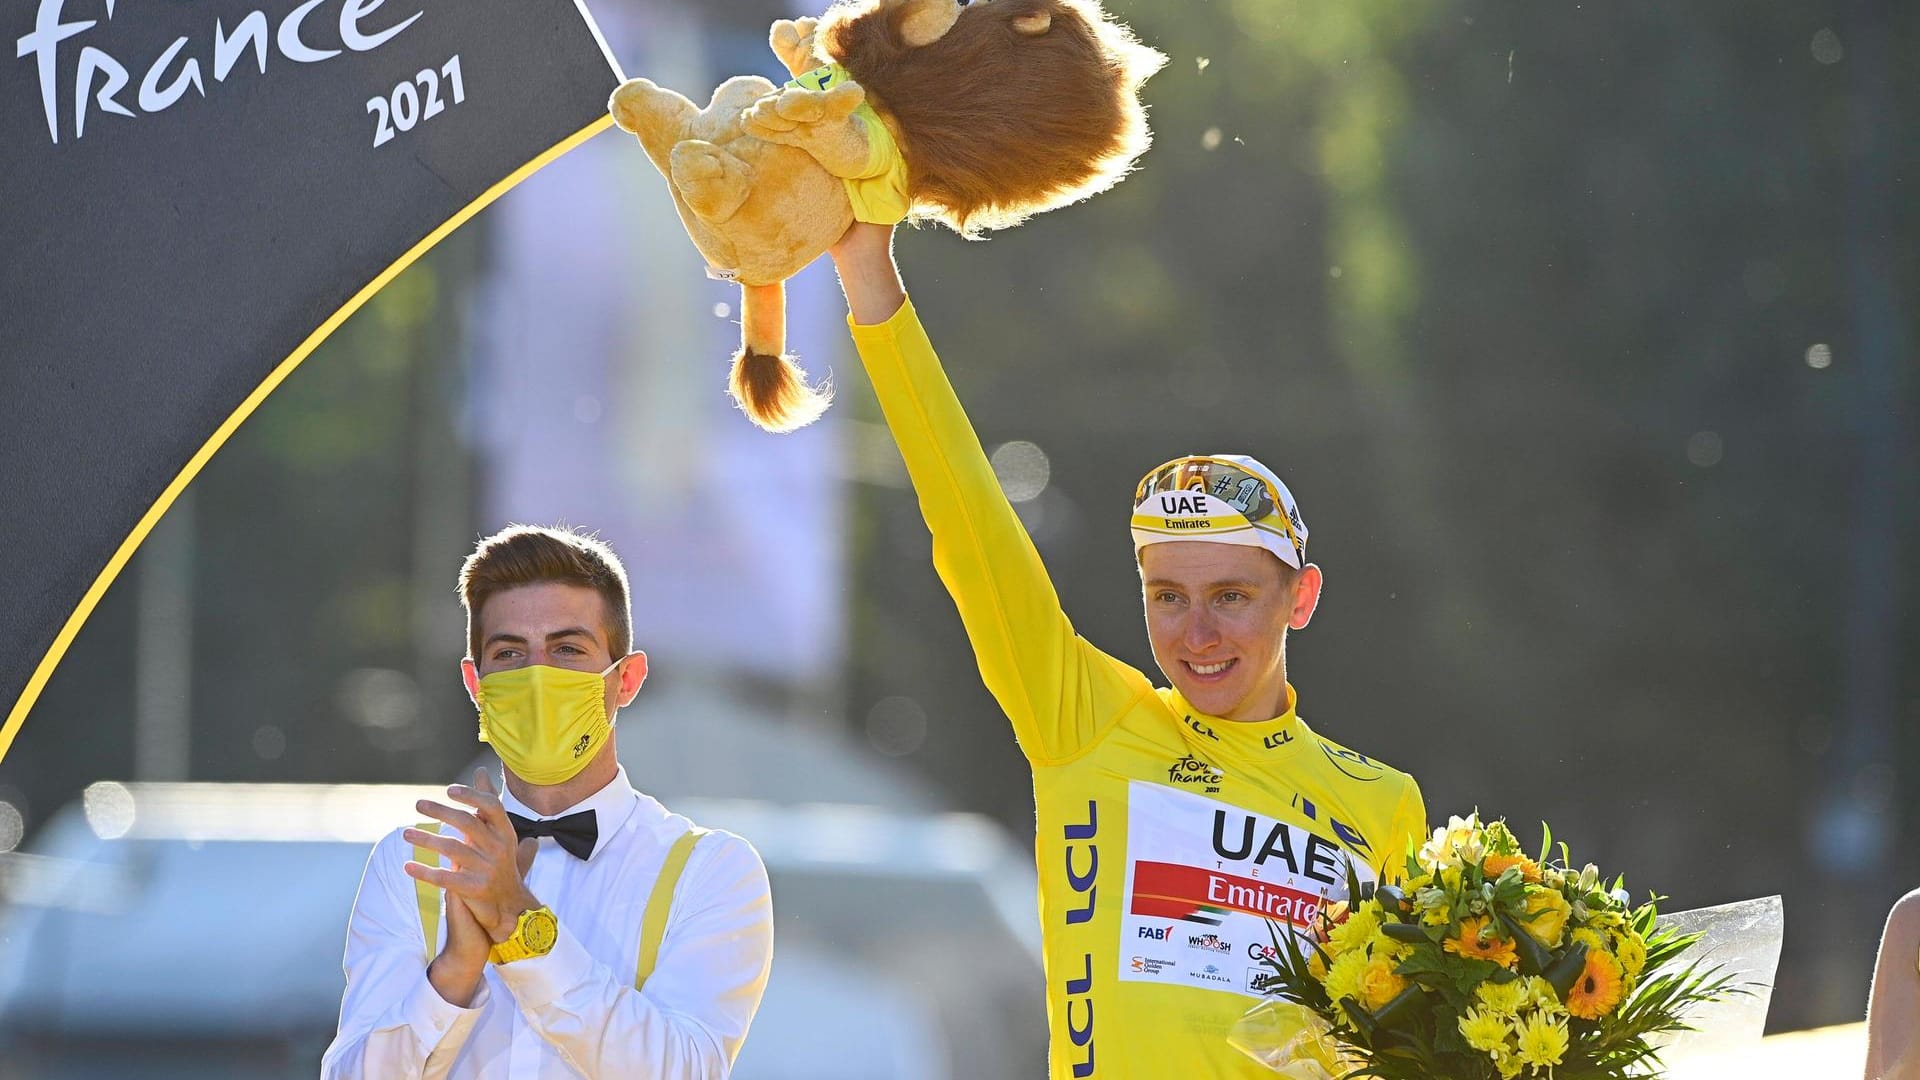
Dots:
{"x": 1218, "y": 616}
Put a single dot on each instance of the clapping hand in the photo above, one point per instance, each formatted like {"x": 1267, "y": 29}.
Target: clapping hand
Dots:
{"x": 490, "y": 861}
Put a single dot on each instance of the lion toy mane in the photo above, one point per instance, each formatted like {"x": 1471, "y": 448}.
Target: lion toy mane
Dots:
{"x": 975, "y": 115}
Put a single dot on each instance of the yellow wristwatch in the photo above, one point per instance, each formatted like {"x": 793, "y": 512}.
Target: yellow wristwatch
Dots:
{"x": 533, "y": 935}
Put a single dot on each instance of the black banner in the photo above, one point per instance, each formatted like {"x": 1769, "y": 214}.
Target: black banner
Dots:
{"x": 193, "y": 194}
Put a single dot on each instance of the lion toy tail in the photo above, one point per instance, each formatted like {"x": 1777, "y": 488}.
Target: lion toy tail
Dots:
{"x": 767, "y": 384}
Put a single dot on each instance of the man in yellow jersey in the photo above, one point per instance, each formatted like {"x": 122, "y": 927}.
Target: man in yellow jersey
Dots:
{"x": 1176, "y": 826}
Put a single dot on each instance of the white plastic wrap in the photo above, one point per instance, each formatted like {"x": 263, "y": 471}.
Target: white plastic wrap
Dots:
{"x": 1288, "y": 1038}
{"x": 1743, "y": 939}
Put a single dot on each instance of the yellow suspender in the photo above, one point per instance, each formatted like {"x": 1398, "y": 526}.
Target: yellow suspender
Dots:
{"x": 653, "y": 925}
{"x": 428, "y": 895}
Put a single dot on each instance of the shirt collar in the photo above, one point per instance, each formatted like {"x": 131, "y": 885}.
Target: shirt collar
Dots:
{"x": 612, "y": 806}
{"x": 1261, "y": 737}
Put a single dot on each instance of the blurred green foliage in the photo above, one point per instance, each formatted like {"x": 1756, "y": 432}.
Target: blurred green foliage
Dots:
{"x": 1519, "y": 298}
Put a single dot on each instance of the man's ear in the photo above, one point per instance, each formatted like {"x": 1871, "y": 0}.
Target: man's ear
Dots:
{"x": 923, "y": 22}
{"x": 1306, "y": 596}
{"x": 632, "y": 674}
{"x": 470, "y": 676}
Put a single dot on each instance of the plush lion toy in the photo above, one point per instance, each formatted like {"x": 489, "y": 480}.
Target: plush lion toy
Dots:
{"x": 976, "y": 115}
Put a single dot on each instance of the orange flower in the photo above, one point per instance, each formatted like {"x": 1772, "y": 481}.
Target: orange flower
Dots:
{"x": 1497, "y": 865}
{"x": 1478, "y": 942}
{"x": 1599, "y": 988}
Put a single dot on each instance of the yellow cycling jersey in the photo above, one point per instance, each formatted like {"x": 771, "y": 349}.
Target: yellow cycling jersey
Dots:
{"x": 1169, "y": 843}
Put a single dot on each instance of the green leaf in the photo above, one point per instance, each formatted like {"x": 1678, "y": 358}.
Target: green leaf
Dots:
{"x": 1454, "y": 977}
{"x": 1408, "y": 932}
{"x": 1534, "y": 957}
{"x": 1564, "y": 972}
{"x": 1362, "y": 1019}
{"x": 1400, "y": 1011}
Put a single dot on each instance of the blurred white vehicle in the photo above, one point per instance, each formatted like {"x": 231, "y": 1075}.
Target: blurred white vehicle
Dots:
{"x": 196, "y": 930}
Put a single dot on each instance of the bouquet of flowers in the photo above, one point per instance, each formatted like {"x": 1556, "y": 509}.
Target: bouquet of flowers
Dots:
{"x": 1484, "y": 962}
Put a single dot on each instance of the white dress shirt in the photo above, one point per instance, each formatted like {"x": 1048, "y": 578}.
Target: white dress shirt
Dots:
{"x": 573, "y": 1012}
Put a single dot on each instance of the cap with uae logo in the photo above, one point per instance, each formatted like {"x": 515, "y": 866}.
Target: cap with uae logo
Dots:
{"x": 1222, "y": 498}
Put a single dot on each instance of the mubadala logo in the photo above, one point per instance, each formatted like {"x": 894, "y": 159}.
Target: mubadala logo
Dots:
{"x": 1212, "y": 973}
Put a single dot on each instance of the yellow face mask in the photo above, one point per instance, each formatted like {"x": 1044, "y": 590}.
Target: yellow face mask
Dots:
{"x": 546, "y": 723}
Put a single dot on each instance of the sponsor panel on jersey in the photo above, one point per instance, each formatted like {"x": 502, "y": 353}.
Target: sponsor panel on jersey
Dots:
{"x": 1212, "y": 973}
{"x": 1209, "y": 943}
{"x": 1203, "y": 874}
{"x": 1263, "y": 981}
{"x": 1150, "y": 966}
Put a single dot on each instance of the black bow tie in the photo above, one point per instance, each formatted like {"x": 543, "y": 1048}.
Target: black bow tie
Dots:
{"x": 575, "y": 833}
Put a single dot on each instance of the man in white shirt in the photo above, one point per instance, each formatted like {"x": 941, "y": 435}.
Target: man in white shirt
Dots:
{"x": 569, "y": 925}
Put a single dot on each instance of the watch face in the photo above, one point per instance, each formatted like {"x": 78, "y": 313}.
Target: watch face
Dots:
{"x": 540, "y": 931}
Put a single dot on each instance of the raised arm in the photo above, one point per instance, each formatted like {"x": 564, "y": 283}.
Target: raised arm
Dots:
{"x": 1060, "y": 693}
{"x": 864, "y": 260}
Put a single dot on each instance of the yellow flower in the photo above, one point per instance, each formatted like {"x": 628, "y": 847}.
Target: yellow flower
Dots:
{"x": 1484, "y": 1031}
{"x": 1543, "y": 1040}
{"x": 1508, "y": 1064}
{"x": 1343, "y": 978}
{"x": 1434, "y": 906}
{"x": 1379, "y": 984}
{"x": 1498, "y": 864}
{"x": 1478, "y": 941}
{"x": 1392, "y": 948}
{"x": 1360, "y": 925}
{"x": 1631, "y": 948}
{"x": 1599, "y": 989}
{"x": 1502, "y": 999}
{"x": 1541, "y": 995}
{"x": 1458, "y": 842}
{"x": 1594, "y": 940}
{"x": 1606, "y": 918}
{"x": 1549, "y": 912}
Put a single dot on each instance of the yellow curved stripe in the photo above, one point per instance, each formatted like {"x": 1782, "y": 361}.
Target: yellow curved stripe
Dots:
{"x": 51, "y": 660}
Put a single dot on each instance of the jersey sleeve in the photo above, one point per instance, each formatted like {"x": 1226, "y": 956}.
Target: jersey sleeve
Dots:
{"x": 1060, "y": 692}
{"x": 1409, "y": 824}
